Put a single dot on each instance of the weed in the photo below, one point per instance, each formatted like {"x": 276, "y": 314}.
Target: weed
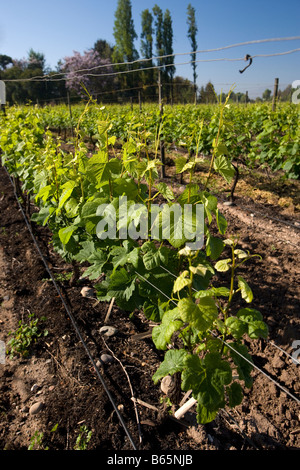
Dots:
{"x": 36, "y": 442}
{"x": 83, "y": 438}
{"x": 24, "y": 336}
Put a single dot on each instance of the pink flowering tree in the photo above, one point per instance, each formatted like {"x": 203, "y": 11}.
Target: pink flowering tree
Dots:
{"x": 88, "y": 70}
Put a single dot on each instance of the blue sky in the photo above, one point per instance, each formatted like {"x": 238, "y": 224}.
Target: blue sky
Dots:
{"x": 59, "y": 27}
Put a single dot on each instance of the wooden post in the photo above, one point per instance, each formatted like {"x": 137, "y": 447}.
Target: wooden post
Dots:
{"x": 161, "y": 111}
{"x": 275, "y": 94}
{"x": 140, "y": 101}
{"x": 246, "y": 98}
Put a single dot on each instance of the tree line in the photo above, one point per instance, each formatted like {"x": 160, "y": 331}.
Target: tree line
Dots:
{"x": 129, "y": 81}
{"x": 135, "y": 74}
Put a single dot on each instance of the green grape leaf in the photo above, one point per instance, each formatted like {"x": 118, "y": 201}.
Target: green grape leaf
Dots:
{"x": 258, "y": 329}
{"x": 182, "y": 281}
{"x": 214, "y": 247}
{"x": 243, "y": 361}
{"x": 67, "y": 190}
{"x": 166, "y": 191}
{"x": 210, "y": 394}
{"x": 223, "y": 166}
{"x": 65, "y": 233}
{"x": 240, "y": 253}
{"x": 42, "y": 217}
{"x": 246, "y": 291}
{"x": 193, "y": 374}
{"x": 254, "y": 320}
{"x": 174, "y": 361}
{"x": 151, "y": 259}
{"x": 235, "y": 394}
{"x": 88, "y": 248}
{"x": 199, "y": 316}
{"x": 220, "y": 291}
{"x": 205, "y": 416}
{"x": 97, "y": 260}
{"x": 236, "y": 327}
{"x": 180, "y": 163}
{"x": 223, "y": 265}
{"x": 163, "y": 333}
{"x": 221, "y": 222}
{"x": 121, "y": 285}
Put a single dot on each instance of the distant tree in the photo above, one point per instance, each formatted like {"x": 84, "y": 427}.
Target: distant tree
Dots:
{"x": 76, "y": 81}
{"x": 147, "y": 34}
{"x": 27, "y": 90}
{"x": 159, "y": 32}
{"x": 286, "y": 94}
{"x": 266, "y": 94}
{"x": 14, "y": 90}
{"x": 104, "y": 49}
{"x": 192, "y": 33}
{"x": 5, "y": 60}
{"x": 208, "y": 94}
{"x": 168, "y": 49}
{"x": 164, "y": 45}
{"x": 124, "y": 33}
{"x": 240, "y": 97}
{"x": 124, "y": 49}
{"x": 147, "y": 50}
{"x": 36, "y": 60}
{"x": 183, "y": 90}
{"x": 25, "y": 69}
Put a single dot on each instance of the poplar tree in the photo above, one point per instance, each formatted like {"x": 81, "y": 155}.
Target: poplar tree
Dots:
{"x": 168, "y": 49}
{"x": 192, "y": 32}
{"x": 164, "y": 43}
{"x": 147, "y": 46}
{"x": 125, "y": 35}
{"x": 159, "y": 44}
{"x": 146, "y": 35}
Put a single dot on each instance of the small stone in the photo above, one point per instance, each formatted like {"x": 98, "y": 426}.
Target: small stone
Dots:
{"x": 297, "y": 224}
{"x": 34, "y": 387}
{"x": 166, "y": 384}
{"x": 51, "y": 388}
{"x": 106, "y": 358}
{"x": 108, "y": 330}
{"x": 25, "y": 409}
{"x": 228, "y": 203}
{"x": 87, "y": 292}
{"x": 36, "y": 408}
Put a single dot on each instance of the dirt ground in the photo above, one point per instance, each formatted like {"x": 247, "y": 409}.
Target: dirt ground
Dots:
{"x": 60, "y": 376}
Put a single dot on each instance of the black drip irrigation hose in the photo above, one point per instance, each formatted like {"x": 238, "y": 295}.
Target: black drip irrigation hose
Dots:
{"x": 72, "y": 318}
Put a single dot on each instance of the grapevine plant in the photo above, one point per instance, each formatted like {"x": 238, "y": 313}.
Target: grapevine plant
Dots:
{"x": 180, "y": 289}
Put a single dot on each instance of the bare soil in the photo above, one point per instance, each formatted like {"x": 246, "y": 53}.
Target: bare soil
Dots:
{"x": 65, "y": 378}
